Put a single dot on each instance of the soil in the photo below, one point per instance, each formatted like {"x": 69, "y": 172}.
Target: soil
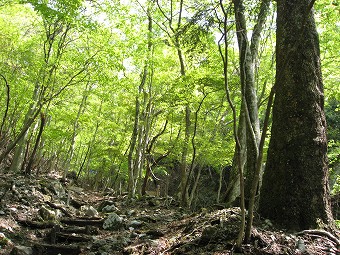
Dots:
{"x": 48, "y": 216}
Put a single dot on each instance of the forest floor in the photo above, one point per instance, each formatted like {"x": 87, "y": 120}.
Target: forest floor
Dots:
{"x": 46, "y": 216}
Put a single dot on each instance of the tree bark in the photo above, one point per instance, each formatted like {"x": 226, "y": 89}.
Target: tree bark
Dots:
{"x": 183, "y": 166}
{"x": 295, "y": 192}
{"x": 149, "y": 158}
{"x": 239, "y": 146}
{"x": 81, "y": 110}
{"x": 46, "y": 74}
{"x": 189, "y": 194}
{"x": 28, "y": 169}
{"x": 249, "y": 124}
{"x": 140, "y": 133}
{"x": 133, "y": 142}
{"x": 7, "y": 105}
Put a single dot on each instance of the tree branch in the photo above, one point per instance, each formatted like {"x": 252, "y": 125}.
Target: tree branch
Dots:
{"x": 7, "y": 104}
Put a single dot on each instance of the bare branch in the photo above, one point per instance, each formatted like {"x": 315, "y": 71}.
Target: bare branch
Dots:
{"x": 7, "y": 104}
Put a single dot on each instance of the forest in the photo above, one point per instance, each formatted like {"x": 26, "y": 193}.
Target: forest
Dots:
{"x": 205, "y": 105}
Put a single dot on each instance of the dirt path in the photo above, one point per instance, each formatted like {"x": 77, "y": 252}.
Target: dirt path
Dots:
{"x": 45, "y": 216}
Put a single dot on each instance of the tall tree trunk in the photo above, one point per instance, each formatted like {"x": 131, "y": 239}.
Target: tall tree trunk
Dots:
{"x": 140, "y": 133}
{"x": 55, "y": 37}
{"x": 81, "y": 110}
{"x": 150, "y": 162}
{"x": 193, "y": 192}
{"x": 131, "y": 165}
{"x": 28, "y": 169}
{"x": 19, "y": 151}
{"x": 87, "y": 158}
{"x": 295, "y": 192}
{"x": 249, "y": 124}
{"x": 189, "y": 195}
{"x": 183, "y": 166}
{"x": 239, "y": 147}
{"x": 175, "y": 36}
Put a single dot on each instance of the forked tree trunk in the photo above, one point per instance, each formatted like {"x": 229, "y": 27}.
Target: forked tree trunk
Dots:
{"x": 140, "y": 133}
{"x": 249, "y": 124}
{"x": 295, "y": 191}
{"x": 81, "y": 109}
{"x": 223, "y": 50}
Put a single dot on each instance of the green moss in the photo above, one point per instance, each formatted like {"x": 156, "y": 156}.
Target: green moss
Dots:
{"x": 3, "y": 240}
{"x": 337, "y": 223}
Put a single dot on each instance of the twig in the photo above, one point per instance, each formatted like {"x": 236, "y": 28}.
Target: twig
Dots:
{"x": 7, "y": 103}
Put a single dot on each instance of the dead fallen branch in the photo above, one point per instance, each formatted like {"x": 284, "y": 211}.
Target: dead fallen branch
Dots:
{"x": 43, "y": 249}
{"x": 72, "y": 238}
{"x": 36, "y": 224}
{"x": 83, "y": 222}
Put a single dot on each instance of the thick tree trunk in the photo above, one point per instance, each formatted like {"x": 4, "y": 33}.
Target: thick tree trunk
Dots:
{"x": 295, "y": 191}
{"x": 233, "y": 185}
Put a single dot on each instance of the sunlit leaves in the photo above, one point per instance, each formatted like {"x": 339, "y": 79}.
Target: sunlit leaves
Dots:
{"x": 108, "y": 41}
{"x": 60, "y": 9}
{"x": 328, "y": 21}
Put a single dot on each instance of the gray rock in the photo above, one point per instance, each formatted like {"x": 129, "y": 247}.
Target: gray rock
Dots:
{"x": 154, "y": 202}
{"x": 133, "y": 235}
{"x": 135, "y": 224}
{"x": 22, "y": 250}
{"x": 57, "y": 188}
{"x": 104, "y": 249}
{"x": 110, "y": 208}
{"x": 3, "y": 239}
{"x": 113, "y": 222}
{"x": 300, "y": 245}
{"x": 89, "y": 211}
{"x": 154, "y": 233}
{"x": 131, "y": 212}
{"x": 110, "y": 244}
{"x": 25, "y": 202}
{"x": 47, "y": 214}
{"x": 104, "y": 204}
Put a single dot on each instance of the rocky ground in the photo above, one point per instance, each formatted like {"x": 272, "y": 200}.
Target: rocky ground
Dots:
{"x": 46, "y": 216}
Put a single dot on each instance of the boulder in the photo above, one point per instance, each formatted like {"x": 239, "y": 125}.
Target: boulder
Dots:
{"x": 104, "y": 204}
{"x": 113, "y": 222}
{"x": 46, "y": 214}
{"x": 89, "y": 211}
{"x": 57, "y": 188}
{"x": 135, "y": 224}
{"x": 21, "y": 250}
{"x": 110, "y": 244}
{"x": 110, "y": 208}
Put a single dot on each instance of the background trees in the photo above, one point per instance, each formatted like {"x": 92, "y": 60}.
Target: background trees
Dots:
{"x": 135, "y": 89}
